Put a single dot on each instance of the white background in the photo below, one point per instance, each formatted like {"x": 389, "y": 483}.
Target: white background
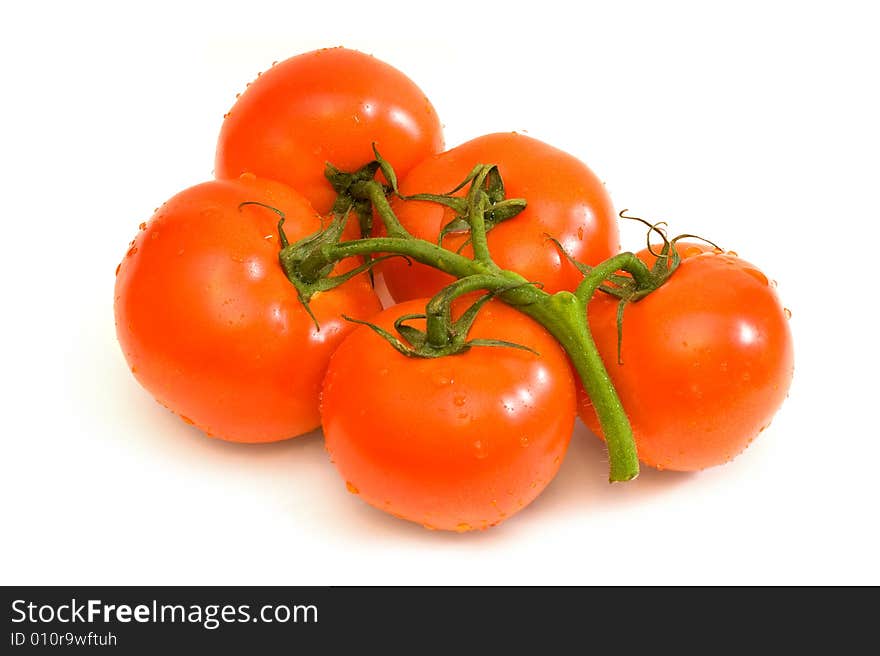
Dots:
{"x": 755, "y": 124}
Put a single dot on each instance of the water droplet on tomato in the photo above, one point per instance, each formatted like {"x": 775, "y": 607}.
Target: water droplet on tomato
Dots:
{"x": 247, "y": 176}
{"x": 118, "y": 266}
{"x": 187, "y": 420}
{"x": 773, "y": 284}
{"x": 691, "y": 251}
{"x": 143, "y": 225}
{"x": 429, "y": 527}
{"x": 580, "y": 233}
{"x": 131, "y": 251}
{"x": 524, "y": 441}
{"x": 733, "y": 253}
{"x": 556, "y": 460}
{"x": 757, "y": 275}
{"x": 463, "y": 527}
{"x": 787, "y": 313}
{"x": 482, "y": 449}
{"x": 459, "y": 400}
{"x": 351, "y": 488}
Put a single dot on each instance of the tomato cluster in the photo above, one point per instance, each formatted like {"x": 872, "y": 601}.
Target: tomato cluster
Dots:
{"x": 225, "y": 317}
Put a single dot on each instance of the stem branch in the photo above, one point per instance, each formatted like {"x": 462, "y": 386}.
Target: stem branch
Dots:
{"x": 439, "y": 308}
{"x": 374, "y": 191}
{"x": 477, "y": 205}
{"x": 417, "y": 249}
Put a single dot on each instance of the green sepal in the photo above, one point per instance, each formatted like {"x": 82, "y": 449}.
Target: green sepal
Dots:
{"x": 384, "y": 334}
{"x": 414, "y": 336}
{"x": 415, "y": 342}
{"x": 626, "y": 287}
{"x": 387, "y": 169}
{"x": 504, "y": 343}
{"x": 341, "y": 181}
{"x": 327, "y": 283}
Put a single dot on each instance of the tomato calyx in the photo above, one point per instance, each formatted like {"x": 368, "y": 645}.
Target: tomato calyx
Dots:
{"x": 302, "y": 265}
{"x": 639, "y": 281}
{"x": 487, "y": 188}
{"x": 342, "y": 183}
{"x": 443, "y": 336}
{"x": 630, "y": 289}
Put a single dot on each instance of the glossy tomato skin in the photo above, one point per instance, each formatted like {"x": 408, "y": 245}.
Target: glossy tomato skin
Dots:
{"x": 323, "y": 106}
{"x": 210, "y": 325}
{"x": 565, "y": 200}
{"x": 707, "y": 360}
{"x": 455, "y": 443}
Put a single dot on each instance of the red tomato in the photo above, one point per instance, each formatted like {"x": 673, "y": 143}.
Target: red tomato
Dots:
{"x": 326, "y": 106}
{"x": 211, "y": 326}
{"x": 565, "y": 200}
{"x": 707, "y": 360}
{"x": 460, "y": 442}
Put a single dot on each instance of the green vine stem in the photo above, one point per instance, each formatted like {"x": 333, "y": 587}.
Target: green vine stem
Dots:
{"x": 477, "y": 205}
{"x": 438, "y": 312}
{"x": 563, "y": 314}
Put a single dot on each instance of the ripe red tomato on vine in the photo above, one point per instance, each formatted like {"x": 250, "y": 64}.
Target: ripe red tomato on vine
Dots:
{"x": 329, "y": 105}
{"x": 565, "y": 200}
{"x": 457, "y": 442}
{"x": 211, "y": 326}
{"x": 705, "y": 362}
